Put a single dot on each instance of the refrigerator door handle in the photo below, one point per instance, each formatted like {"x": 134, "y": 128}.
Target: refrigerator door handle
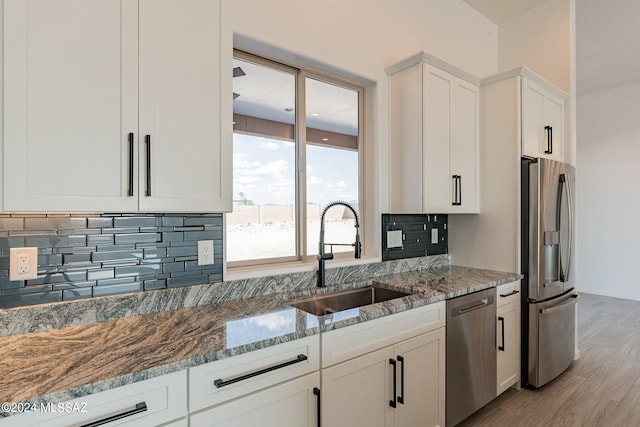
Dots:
{"x": 571, "y": 301}
{"x": 564, "y": 188}
{"x": 570, "y": 242}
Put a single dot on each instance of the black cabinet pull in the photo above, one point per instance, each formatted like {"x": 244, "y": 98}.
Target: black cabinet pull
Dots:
{"x": 130, "y": 192}
{"x": 549, "y": 149}
{"x": 501, "y": 320}
{"x": 316, "y": 391}
{"x": 221, "y": 383}
{"x": 392, "y": 403}
{"x": 147, "y": 141}
{"x": 513, "y": 292}
{"x": 140, "y": 407}
{"x": 457, "y": 190}
{"x": 401, "y": 397}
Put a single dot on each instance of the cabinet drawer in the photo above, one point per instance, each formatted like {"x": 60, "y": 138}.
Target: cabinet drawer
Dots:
{"x": 164, "y": 398}
{"x": 229, "y": 378}
{"x": 508, "y": 293}
{"x": 291, "y": 404}
{"x": 352, "y": 341}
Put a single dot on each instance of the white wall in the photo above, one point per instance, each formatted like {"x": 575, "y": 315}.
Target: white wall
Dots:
{"x": 543, "y": 39}
{"x": 608, "y": 132}
{"x": 540, "y": 39}
{"x": 360, "y": 38}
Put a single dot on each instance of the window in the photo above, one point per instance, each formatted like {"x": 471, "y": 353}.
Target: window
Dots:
{"x": 296, "y": 147}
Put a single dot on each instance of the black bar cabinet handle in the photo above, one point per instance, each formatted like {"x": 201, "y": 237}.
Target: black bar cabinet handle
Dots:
{"x": 401, "y": 397}
{"x": 392, "y": 403}
{"x": 549, "y": 149}
{"x": 140, "y": 407}
{"x": 513, "y": 292}
{"x": 221, "y": 383}
{"x": 147, "y": 141}
{"x": 454, "y": 195}
{"x": 130, "y": 193}
{"x": 316, "y": 391}
{"x": 459, "y": 190}
{"x": 501, "y": 320}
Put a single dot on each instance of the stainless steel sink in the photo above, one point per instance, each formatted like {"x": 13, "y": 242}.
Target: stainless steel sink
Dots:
{"x": 344, "y": 300}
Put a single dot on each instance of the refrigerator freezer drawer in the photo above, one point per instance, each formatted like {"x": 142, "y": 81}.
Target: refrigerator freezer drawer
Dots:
{"x": 551, "y": 338}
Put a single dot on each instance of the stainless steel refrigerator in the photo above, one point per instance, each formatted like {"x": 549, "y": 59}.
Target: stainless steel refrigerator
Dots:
{"x": 548, "y": 289}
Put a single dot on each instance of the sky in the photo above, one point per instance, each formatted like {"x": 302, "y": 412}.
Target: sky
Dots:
{"x": 264, "y": 171}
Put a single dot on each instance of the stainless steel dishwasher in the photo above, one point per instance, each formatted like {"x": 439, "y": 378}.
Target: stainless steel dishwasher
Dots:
{"x": 471, "y": 354}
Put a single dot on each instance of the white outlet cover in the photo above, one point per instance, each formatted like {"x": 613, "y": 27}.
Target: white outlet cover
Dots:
{"x": 23, "y": 263}
{"x": 394, "y": 239}
{"x": 434, "y": 236}
{"x": 205, "y": 252}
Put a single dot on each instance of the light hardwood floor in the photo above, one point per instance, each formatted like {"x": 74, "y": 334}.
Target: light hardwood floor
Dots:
{"x": 602, "y": 388}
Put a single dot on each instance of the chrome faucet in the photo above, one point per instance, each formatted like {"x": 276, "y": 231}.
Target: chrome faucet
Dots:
{"x": 322, "y": 256}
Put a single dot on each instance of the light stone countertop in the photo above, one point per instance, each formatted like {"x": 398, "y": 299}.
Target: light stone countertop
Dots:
{"x": 58, "y": 364}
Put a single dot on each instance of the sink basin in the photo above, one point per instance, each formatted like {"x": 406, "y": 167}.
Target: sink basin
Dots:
{"x": 344, "y": 300}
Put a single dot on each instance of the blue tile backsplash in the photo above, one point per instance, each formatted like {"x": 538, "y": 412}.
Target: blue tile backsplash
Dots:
{"x": 83, "y": 256}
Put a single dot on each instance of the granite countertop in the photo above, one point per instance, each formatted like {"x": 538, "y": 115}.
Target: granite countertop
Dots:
{"x": 54, "y": 365}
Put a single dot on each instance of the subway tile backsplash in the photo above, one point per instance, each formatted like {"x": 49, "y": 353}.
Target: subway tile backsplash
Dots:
{"x": 83, "y": 256}
{"x": 417, "y": 231}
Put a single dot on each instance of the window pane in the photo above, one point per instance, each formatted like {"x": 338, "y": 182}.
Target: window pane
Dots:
{"x": 262, "y": 224}
{"x": 332, "y": 162}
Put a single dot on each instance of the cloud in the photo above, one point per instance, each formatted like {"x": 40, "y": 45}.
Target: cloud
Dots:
{"x": 275, "y": 168}
{"x": 269, "y": 145}
{"x": 341, "y": 184}
{"x": 274, "y": 322}
{"x": 312, "y": 180}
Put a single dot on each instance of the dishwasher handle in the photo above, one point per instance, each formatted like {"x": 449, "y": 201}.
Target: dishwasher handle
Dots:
{"x": 466, "y": 307}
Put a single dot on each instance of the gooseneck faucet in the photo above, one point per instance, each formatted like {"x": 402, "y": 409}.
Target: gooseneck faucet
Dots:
{"x": 322, "y": 256}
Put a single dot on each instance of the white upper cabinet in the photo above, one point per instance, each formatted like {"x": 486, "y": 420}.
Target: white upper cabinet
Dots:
{"x": 71, "y": 98}
{"x": 185, "y": 111}
{"x": 434, "y": 137}
{"x": 85, "y": 82}
{"x": 542, "y": 122}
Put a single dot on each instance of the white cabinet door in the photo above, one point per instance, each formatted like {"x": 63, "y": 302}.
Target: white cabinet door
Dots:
{"x": 360, "y": 391}
{"x": 542, "y": 122}
{"x": 508, "y": 353}
{"x": 357, "y": 392}
{"x": 437, "y": 180}
{"x": 71, "y": 100}
{"x": 291, "y": 404}
{"x": 185, "y": 99}
{"x": 422, "y": 386}
{"x": 465, "y": 125}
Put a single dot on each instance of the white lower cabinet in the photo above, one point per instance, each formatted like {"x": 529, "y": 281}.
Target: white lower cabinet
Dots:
{"x": 508, "y": 336}
{"x": 153, "y": 402}
{"x": 386, "y": 372}
{"x": 291, "y": 404}
{"x": 400, "y": 386}
{"x": 357, "y": 392}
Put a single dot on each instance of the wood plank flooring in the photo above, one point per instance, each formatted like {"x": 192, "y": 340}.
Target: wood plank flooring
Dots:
{"x": 602, "y": 388}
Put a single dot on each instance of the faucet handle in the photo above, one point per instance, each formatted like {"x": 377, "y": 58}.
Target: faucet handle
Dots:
{"x": 325, "y": 256}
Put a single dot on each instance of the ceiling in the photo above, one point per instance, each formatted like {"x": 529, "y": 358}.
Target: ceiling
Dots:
{"x": 499, "y": 11}
{"x": 607, "y": 38}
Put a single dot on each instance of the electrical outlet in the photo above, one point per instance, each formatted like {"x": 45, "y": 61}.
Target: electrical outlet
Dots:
{"x": 205, "y": 252}
{"x": 23, "y": 263}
